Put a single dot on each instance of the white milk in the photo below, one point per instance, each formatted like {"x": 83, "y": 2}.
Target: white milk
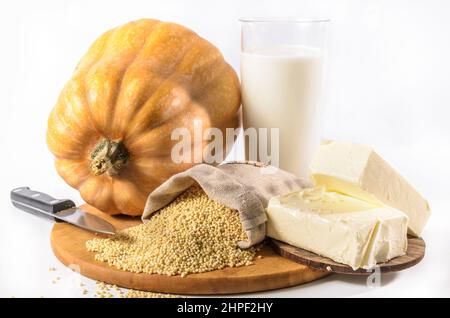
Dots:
{"x": 281, "y": 88}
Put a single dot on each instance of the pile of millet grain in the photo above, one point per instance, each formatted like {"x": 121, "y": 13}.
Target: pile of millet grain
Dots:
{"x": 193, "y": 234}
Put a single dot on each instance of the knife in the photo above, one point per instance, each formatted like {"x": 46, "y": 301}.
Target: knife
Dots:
{"x": 42, "y": 204}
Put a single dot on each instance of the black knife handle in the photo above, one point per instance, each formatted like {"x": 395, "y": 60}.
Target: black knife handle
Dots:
{"x": 37, "y": 202}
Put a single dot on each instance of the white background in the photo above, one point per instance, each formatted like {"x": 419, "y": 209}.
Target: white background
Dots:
{"x": 389, "y": 87}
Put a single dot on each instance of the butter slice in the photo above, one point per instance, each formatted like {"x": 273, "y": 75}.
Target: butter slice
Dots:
{"x": 345, "y": 229}
{"x": 358, "y": 171}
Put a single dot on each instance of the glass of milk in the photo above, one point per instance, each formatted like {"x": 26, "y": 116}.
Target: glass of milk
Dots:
{"x": 282, "y": 78}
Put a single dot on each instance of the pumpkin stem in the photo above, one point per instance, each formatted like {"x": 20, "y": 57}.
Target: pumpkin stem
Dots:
{"x": 108, "y": 156}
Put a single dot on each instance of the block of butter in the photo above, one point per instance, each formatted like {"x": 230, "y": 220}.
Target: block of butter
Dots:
{"x": 356, "y": 170}
{"x": 343, "y": 228}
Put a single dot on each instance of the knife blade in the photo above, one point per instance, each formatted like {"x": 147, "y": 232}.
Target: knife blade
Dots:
{"x": 42, "y": 204}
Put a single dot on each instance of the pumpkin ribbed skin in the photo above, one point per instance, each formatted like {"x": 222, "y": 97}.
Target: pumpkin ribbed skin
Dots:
{"x": 135, "y": 85}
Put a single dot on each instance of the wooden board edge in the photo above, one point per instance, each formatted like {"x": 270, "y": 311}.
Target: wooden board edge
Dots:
{"x": 226, "y": 286}
{"x": 336, "y": 268}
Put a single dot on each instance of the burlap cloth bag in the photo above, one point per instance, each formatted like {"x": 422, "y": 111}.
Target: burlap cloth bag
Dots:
{"x": 243, "y": 186}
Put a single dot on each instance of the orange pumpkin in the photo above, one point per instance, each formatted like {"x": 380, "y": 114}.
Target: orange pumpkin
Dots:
{"x": 110, "y": 130}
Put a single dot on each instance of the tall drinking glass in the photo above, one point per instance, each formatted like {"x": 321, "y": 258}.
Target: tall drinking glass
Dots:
{"x": 282, "y": 76}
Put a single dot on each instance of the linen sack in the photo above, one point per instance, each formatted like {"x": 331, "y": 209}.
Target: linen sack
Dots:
{"x": 243, "y": 186}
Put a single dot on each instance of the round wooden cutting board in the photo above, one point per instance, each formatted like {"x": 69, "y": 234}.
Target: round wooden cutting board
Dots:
{"x": 269, "y": 272}
{"x": 414, "y": 254}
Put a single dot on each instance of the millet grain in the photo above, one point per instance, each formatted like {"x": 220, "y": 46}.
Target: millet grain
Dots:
{"x": 193, "y": 234}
